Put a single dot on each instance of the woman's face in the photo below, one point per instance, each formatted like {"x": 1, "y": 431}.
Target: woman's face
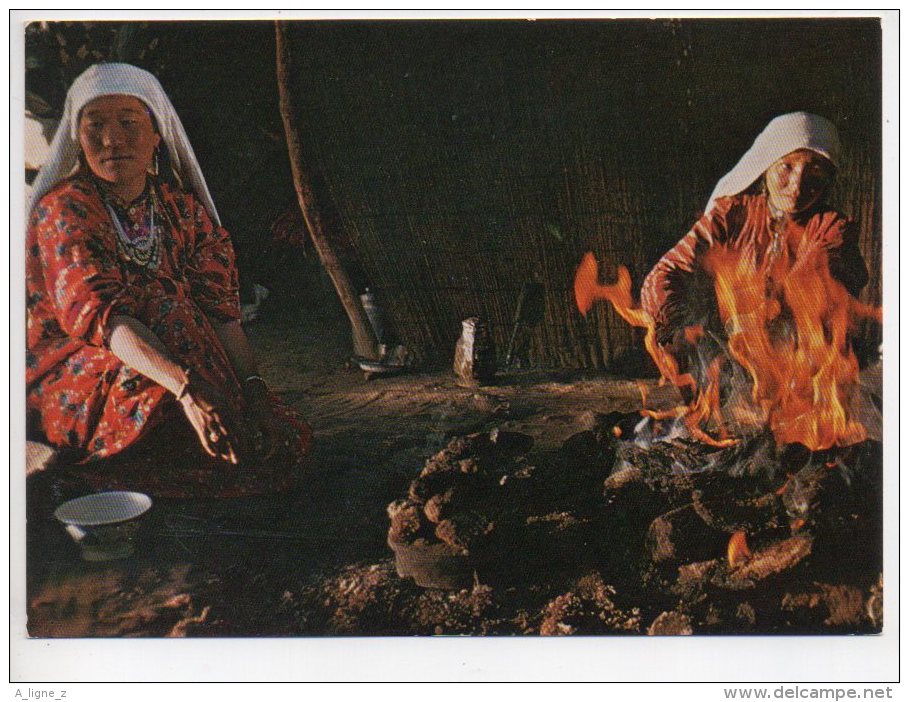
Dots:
{"x": 118, "y": 139}
{"x": 798, "y": 180}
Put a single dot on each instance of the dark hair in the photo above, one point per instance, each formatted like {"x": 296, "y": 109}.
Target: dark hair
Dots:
{"x": 166, "y": 171}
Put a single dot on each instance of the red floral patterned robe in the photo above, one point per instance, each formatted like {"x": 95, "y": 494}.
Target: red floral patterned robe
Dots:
{"x": 88, "y": 403}
{"x": 678, "y": 292}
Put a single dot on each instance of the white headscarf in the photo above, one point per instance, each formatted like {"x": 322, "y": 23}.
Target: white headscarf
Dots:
{"x": 120, "y": 79}
{"x": 784, "y": 134}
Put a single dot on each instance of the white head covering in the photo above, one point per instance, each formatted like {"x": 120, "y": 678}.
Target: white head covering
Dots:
{"x": 120, "y": 79}
{"x": 784, "y": 134}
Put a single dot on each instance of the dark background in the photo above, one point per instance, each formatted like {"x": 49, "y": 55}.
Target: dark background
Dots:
{"x": 457, "y": 160}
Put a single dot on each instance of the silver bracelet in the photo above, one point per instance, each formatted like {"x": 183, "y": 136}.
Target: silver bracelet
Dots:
{"x": 181, "y": 393}
{"x": 255, "y": 377}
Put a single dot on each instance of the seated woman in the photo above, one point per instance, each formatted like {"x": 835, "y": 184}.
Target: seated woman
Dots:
{"x": 772, "y": 207}
{"x": 137, "y": 369}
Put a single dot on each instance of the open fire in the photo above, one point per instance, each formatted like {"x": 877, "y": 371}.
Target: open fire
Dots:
{"x": 793, "y": 346}
{"x": 754, "y": 505}
{"x": 785, "y": 363}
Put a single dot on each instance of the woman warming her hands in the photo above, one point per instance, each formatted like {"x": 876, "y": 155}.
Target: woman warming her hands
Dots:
{"x": 137, "y": 368}
{"x": 770, "y": 211}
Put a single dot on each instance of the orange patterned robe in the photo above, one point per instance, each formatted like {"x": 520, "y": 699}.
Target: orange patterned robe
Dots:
{"x": 679, "y": 293}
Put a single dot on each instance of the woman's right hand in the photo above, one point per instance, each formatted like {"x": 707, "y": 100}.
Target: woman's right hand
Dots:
{"x": 210, "y": 415}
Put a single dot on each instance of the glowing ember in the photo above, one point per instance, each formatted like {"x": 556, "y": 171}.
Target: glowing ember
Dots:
{"x": 787, "y": 326}
{"x": 780, "y": 491}
{"x": 796, "y": 524}
{"x": 737, "y": 552}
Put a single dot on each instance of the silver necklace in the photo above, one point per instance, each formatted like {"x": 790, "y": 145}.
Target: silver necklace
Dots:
{"x": 144, "y": 251}
{"x": 777, "y": 226}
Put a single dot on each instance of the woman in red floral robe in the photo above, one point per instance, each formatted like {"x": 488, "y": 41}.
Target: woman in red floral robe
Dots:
{"x": 772, "y": 208}
{"x": 137, "y": 368}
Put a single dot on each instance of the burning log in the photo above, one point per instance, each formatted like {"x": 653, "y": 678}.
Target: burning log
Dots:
{"x": 806, "y": 515}
{"x": 752, "y": 536}
{"x": 777, "y": 558}
{"x": 754, "y": 484}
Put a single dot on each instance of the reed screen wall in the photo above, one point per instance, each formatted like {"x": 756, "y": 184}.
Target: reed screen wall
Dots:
{"x": 458, "y": 160}
{"x": 465, "y": 159}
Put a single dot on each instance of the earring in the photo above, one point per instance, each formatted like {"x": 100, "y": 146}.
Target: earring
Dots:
{"x": 155, "y": 163}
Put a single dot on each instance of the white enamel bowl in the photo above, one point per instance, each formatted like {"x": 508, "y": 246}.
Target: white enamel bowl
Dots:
{"x": 104, "y": 524}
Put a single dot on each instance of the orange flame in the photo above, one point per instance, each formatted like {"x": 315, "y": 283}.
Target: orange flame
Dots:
{"x": 643, "y": 390}
{"x": 781, "y": 490}
{"x": 793, "y": 344}
{"x": 787, "y": 326}
{"x": 588, "y": 290}
{"x": 694, "y": 334}
{"x": 737, "y": 552}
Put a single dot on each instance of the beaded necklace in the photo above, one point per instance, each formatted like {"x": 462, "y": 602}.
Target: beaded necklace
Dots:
{"x": 138, "y": 242}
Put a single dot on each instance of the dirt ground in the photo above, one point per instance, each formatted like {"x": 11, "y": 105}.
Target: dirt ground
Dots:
{"x": 320, "y": 565}
{"x": 191, "y": 575}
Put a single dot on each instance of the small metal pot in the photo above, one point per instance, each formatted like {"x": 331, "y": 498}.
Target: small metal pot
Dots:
{"x": 475, "y": 353}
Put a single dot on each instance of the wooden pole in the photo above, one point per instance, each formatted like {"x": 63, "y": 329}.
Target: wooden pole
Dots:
{"x": 364, "y": 339}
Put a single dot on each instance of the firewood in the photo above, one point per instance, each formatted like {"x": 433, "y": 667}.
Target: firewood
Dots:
{"x": 772, "y": 560}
